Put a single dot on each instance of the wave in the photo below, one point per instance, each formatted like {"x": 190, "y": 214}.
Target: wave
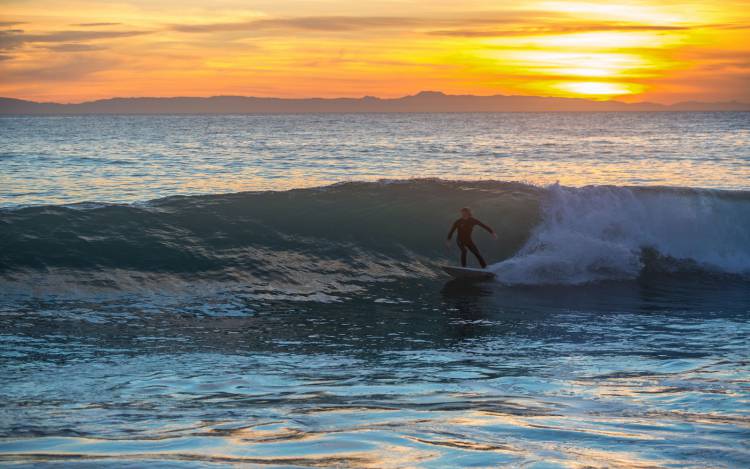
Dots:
{"x": 336, "y": 238}
{"x": 614, "y": 233}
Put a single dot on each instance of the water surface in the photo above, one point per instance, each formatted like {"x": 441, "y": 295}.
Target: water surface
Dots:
{"x": 153, "y": 314}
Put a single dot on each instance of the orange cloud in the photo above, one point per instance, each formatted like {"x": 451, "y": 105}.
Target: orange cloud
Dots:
{"x": 633, "y": 50}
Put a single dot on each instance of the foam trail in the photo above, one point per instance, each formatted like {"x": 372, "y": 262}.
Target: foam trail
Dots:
{"x": 600, "y": 233}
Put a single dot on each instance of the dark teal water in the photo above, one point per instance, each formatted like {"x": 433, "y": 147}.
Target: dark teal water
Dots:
{"x": 314, "y": 327}
{"x": 455, "y": 375}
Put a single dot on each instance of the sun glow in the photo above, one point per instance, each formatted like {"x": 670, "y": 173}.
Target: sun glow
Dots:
{"x": 604, "y": 41}
{"x": 599, "y": 88}
{"x": 631, "y": 49}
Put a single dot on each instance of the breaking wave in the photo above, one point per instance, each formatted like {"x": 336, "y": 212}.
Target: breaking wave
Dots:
{"x": 617, "y": 233}
{"x": 333, "y": 240}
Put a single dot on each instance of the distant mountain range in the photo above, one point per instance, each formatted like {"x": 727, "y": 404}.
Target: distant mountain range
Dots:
{"x": 426, "y": 101}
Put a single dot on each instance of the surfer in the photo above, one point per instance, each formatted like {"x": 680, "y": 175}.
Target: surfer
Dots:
{"x": 464, "y": 226}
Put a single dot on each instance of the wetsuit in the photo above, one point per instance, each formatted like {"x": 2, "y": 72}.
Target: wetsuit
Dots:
{"x": 463, "y": 239}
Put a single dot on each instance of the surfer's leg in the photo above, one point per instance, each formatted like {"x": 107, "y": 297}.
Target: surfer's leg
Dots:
{"x": 473, "y": 248}
{"x": 462, "y": 247}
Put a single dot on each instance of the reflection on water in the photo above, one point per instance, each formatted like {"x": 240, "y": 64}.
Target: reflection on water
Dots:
{"x": 314, "y": 328}
{"x": 634, "y": 374}
{"x": 70, "y": 159}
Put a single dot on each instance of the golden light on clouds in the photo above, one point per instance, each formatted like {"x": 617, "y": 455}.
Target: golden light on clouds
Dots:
{"x": 629, "y": 50}
{"x": 593, "y": 88}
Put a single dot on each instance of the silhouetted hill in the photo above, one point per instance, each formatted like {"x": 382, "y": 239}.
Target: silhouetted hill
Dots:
{"x": 426, "y": 101}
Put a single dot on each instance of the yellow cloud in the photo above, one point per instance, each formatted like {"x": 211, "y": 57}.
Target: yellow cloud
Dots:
{"x": 630, "y": 49}
{"x": 598, "y": 88}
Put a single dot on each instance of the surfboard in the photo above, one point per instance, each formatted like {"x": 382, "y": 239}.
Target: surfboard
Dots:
{"x": 468, "y": 272}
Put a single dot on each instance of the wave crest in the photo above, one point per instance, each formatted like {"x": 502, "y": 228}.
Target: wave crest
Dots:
{"x": 613, "y": 233}
{"x": 372, "y": 232}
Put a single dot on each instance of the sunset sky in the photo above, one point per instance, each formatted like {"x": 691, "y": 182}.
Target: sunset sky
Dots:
{"x": 663, "y": 51}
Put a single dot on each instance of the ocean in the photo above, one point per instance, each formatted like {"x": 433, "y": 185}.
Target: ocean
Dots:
{"x": 266, "y": 290}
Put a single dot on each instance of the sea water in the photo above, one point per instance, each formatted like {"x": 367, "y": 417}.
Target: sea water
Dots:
{"x": 198, "y": 291}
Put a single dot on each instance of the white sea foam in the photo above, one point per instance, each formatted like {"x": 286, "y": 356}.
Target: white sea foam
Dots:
{"x": 599, "y": 233}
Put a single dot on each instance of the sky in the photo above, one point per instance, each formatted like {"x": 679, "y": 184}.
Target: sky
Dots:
{"x": 661, "y": 51}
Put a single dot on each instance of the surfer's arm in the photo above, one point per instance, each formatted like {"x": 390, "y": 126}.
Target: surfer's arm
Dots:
{"x": 489, "y": 230}
{"x": 453, "y": 228}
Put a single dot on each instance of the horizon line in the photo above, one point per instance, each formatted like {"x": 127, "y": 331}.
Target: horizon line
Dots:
{"x": 368, "y": 96}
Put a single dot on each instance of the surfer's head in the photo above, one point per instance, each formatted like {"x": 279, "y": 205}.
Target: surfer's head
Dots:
{"x": 466, "y": 212}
